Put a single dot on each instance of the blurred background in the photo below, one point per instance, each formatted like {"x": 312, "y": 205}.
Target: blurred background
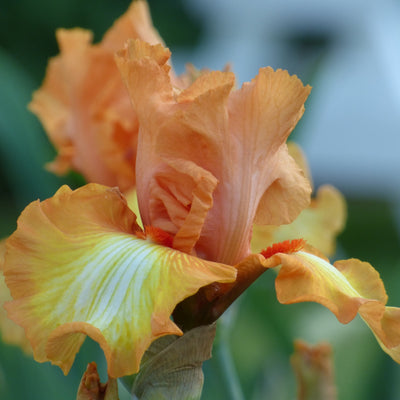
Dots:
{"x": 349, "y": 51}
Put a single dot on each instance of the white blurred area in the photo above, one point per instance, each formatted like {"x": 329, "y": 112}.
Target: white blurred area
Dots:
{"x": 351, "y": 129}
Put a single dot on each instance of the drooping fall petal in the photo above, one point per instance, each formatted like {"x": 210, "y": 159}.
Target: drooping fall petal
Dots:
{"x": 75, "y": 267}
{"x": 346, "y": 288}
{"x": 232, "y": 141}
{"x": 10, "y": 332}
{"x": 83, "y": 104}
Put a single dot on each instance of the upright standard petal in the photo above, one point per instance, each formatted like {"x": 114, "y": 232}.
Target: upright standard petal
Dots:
{"x": 135, "y": 23}
{"x": 76, "y": 267}
{"x": 234, "y": 139}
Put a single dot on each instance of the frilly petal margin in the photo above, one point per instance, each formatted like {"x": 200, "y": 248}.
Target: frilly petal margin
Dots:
{"x": 75, "y": 267}
{"x": 238, "y": 136}
{"x": 9, "y": 331}
{"x": 346, "y": 288}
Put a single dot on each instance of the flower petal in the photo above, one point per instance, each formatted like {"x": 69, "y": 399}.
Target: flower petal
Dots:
{"x": 10, "y": 332}
{"x": 319, "y": 224}
{"x": 174, "y": 192}
{"x": 86, "y": 112}
{"x": 385, "y": 325}
{"x": 83, "y": 104}
{"x": 236, "y": 136}
{"x": 346, "y": 288}
{"x": 298, "y": 155}
{"x": 131, "y": 199}
{"x": 135, "y": 23}
{"x": 264, "y": 112}
{"x": 75, "y": 267}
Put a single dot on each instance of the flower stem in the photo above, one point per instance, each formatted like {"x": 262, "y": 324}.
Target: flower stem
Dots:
{"x": 229, "y": 372}
{"x": 224, "y": 356}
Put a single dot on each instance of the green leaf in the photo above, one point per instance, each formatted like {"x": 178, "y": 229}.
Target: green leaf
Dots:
{"x": 172, "y": 367}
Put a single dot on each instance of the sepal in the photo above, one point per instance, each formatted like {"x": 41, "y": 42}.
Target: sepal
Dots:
{"x": 172, "y": 367}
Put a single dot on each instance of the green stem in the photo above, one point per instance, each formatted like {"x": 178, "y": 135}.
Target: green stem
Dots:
{"x": 229, "y": 372}
{"x": 224, "y": 356}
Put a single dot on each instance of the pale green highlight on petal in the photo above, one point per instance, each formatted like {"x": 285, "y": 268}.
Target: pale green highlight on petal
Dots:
{"x": 332, "y": 275}
{"x": 75, "y": 267}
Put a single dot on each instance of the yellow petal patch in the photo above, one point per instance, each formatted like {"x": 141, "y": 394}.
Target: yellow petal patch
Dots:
{"x": 346, "y": 288}
{"x": 132, "y": 200}
{"x": 75, "y": 267}
{"x": 319, "y": 224}
{"x": 298, "y": 155}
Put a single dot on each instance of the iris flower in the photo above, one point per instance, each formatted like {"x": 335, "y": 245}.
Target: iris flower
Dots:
{"x": 211, "y": 161}
{"x": 84, "y": 106}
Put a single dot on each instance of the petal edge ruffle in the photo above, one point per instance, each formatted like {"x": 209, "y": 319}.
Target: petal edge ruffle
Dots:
{"x": 346, "y": 288}
{"x": 75, "y": 267}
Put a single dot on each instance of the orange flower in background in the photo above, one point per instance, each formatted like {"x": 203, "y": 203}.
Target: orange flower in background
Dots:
{"x": 211, "y": 162}
{"x": 84, "y": 106}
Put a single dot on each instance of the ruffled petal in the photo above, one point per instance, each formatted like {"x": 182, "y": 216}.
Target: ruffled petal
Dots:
{"x": 75, "y": 267}
{"x": 135, "y": 23}
{"x": 319, "y": 224}
{"x": 83, "y": 104}
{"x": 236, "y": 136}
{"x": 174, "y": 191}
{"x": 9, "y": 331}
{"x": 346, "y": 288}
{"x": 263, "y": 114}
{"x": 86, "y": 112}
{"x": 385, "y": 325}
